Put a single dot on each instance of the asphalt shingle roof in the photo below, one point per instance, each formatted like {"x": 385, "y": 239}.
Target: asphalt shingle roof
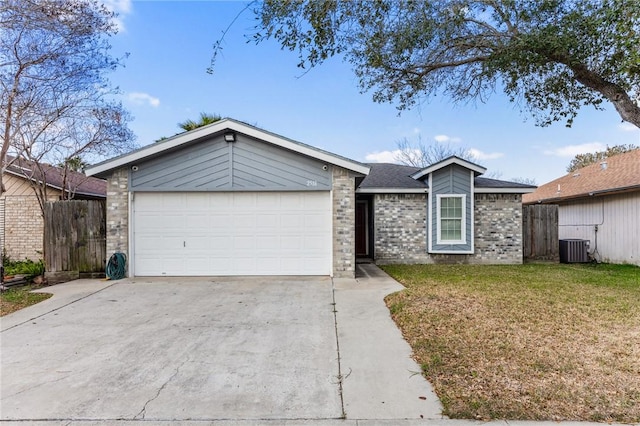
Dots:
{"x": 79, "y": 183}
{"x": 388, "y": 176}
{"x": 385, "y": 175}
{"x": 621, "y": 173}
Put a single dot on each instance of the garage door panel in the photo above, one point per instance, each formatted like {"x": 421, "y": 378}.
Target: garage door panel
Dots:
{"x": 291, "y": 242}
{"x": 313, "y": 203}
{"x": 159, "y": 243}
{"x": 247, "y": 263}
{"x": 200, "y": 220}
{"x": 313, "y": 221}
{"x": 314, "y": 243}
{"x": 243, "y": 201}
{"x": 268, "y": 220}
{"x": 197, "y": 243}
{"x": 286, "y": 233}
{"x": 244, "y": 243}
{"x": 198, "y": 265}
{"x": 266, "y": 242}
{"x": 268, "y": 201}
{"x": 158, "y": 221}
{"x": 244, "y": 221}
{"x": 220, "y": 220}
{"x": 292, "y": 221}
{"x": 197, "y": 201}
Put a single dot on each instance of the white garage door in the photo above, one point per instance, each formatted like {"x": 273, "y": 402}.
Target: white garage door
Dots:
{"x": 232, "y": 233}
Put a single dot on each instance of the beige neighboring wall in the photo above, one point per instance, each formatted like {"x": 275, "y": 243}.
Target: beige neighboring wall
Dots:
{"x": 616, "y": 218}
{"x": 22, "y": 229}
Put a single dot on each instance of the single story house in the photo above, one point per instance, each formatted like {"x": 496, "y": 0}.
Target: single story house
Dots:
{"x": 599, "y": 203}
{"x": 21, "y": 221}
{"x": 233, "y": 199}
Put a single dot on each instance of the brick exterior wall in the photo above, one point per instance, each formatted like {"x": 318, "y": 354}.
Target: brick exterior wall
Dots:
{"x": 498, "y": 229}
{"x": 400, "y": 233}
{"x": 24, "y": 228}
{"x": 344, "y": 216}
{"x": 401, "y": 236}
{"x": 118, "y": 212}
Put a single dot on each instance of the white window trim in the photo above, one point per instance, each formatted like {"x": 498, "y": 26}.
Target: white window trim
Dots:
{"x": 439, "y": 240}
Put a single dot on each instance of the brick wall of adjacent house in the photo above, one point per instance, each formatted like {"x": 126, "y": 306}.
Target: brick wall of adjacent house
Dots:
{"x": 24, "y": 228}
{"x": 344, "y": 235}
{"x": 401, "y": 235}
{"x": 118, "y": 212}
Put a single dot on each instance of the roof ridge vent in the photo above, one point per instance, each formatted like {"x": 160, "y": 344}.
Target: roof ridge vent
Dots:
{"x": 603, "y": 165}
{"x": 576, "y": 174}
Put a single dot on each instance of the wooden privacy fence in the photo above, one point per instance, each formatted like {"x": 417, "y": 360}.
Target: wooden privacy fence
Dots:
{"x": 74, "y": 239}
{"x": 540, "y": 232}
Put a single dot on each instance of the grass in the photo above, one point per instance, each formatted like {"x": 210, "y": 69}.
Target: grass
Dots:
{"x": 17, "y": 298}
{"x": 528, "y": 342}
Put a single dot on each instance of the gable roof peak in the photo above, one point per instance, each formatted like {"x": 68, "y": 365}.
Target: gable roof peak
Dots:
{"x": 218, "y": 128}
{"x": 453, "y": 159}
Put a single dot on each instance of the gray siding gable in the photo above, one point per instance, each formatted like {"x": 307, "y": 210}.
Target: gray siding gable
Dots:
{"x": 450, "y": 180}
{"x": 216, "y": 165}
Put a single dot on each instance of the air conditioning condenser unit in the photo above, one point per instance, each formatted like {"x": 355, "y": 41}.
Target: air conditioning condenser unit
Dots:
{"x": 574, "y": 251}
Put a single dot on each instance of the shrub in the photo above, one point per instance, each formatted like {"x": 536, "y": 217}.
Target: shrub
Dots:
{"x": 23, "y": 267}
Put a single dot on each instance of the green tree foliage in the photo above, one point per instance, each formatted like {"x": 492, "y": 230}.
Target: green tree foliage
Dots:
{"x": 56, "y": 102}
{"x": 75, "y": 164}
{"x": 550, "y": 56}
{"x": 583, "y": 160}
{"x": 204, "y": 120}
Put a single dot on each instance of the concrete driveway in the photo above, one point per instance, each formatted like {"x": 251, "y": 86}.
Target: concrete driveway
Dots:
{"x": 210, "y": 349}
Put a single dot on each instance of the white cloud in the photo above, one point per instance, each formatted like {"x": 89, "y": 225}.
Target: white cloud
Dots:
{"x": 446, "y": 139}
{"x": 479, "y": 155}
{"x": 627, "y": 127}
{"x": 140, "y": 98}
{"x": 382, "y": 156}
{"x": 122, "y": 8}
{"x": 571, "y": 151}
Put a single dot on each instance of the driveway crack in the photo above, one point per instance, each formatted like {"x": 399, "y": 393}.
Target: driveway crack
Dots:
{"x": 335, "y": 323}
{"x": 141, "y": 414}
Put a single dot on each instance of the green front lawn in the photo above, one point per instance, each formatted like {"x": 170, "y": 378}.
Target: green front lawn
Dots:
{"x": 535, "y": 341}
{"x": 16, "y": 298}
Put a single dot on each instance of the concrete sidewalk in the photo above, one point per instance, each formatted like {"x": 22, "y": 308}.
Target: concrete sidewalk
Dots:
{"x": 380, "y": 379}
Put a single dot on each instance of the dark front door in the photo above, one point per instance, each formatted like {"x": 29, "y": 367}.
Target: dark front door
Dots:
{"x": 362, "y": 228}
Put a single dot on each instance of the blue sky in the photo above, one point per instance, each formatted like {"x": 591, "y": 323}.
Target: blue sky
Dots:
{"x": 165, "y": 82}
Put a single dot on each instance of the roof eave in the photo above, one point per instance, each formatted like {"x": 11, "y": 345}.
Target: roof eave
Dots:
{"x": 589, "y": 194}
{"x": 482, "y": 190}
{"x": 396, "y": 190}
{"x": 101, "y": 169}
{"x": 392, "y": 190}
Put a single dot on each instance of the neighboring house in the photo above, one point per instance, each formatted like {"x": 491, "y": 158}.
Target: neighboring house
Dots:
{"x": 599, "y": 203}
{"x": 21, "y": 222}
{"x": 232, "y": 199}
